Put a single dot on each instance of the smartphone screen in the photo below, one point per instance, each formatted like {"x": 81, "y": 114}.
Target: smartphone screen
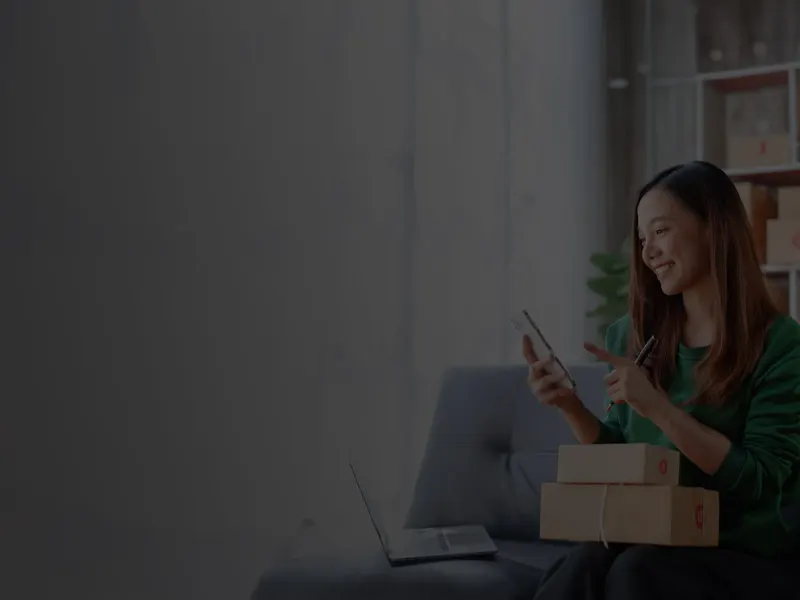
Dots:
{"x": 541, "y": 347}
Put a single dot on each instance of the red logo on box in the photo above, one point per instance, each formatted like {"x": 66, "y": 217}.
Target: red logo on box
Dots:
{"x": 796, "y": 239}
{"x": 662, "y": 466}
{"x": 698, "y": 516}
{"x": 762, "y": 147}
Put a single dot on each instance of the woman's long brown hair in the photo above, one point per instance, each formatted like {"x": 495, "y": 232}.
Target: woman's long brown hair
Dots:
{"x": 743, "y": 307}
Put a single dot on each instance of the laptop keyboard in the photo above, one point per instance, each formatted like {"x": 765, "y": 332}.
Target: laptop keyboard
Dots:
{"x": 432, "y": 544}
{"x": 442, "y": 542}
{"x": 462, "y": 538}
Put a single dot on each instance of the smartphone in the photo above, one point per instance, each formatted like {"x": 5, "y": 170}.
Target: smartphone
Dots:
{"x": 523, "y": 323}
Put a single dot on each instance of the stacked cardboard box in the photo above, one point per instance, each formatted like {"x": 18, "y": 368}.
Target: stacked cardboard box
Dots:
{"x": 626, "y": 493}
{"x": 761, "y": 206}
{"x": 764, "y": 206}
{"x": 768, "y": 150}
{"x": 783, "y": 229}
{"x": 778, "y": 288}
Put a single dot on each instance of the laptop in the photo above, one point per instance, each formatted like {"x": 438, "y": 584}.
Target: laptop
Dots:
{"x": 429, "y": 544}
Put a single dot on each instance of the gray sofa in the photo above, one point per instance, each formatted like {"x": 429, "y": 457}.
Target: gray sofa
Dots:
{"x": 490, "y": 447}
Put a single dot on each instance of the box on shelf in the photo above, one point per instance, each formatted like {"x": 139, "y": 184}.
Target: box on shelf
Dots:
{"x": 643, "y": 464}
{"x": 778, "y": 288}
{"x": 783, "y": 241}
{"x": 788, "y": 203}
{"x": 744, "y": 152}
{"x": 631, "y": 514}
{"x": 760, "y": 205}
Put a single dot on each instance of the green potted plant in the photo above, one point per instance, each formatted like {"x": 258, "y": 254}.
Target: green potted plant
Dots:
{"x": 611, "y": 285}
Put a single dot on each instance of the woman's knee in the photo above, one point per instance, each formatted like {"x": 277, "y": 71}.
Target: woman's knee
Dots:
{"x": 578, "y": 572}
{"x": 635, "y": 568}
{"x": 588, "y": 557}
{"x": 590, "y": 554}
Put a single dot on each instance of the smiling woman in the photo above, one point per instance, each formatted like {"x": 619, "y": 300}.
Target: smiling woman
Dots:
{"x": 698, "y": 251}
{"x": 673, "y": 241}
{"x": 722, "y": 388}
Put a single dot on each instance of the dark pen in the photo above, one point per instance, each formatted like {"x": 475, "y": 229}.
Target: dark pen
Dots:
{"x": 643, "y": 354}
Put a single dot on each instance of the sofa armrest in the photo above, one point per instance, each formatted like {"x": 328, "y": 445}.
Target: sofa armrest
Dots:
{"x": 490, "y": 447}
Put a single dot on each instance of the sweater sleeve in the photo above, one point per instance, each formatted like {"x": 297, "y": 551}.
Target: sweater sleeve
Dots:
{"x": 765, "y": 458}
{"x": 610, "y": 432}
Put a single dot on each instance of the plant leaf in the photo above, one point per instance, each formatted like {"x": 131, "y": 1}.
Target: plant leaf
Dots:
{"x": 607, "y": 287}
{"x": 612, "y": 310}
{"x": 613, "y": 286}
{"x": 610, "y": 264}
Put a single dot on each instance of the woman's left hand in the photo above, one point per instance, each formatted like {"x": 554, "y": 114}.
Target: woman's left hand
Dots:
{"x": 628, "y": 383}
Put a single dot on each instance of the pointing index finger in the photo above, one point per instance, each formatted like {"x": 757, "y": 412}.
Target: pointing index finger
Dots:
{"x": 604, "y": 355}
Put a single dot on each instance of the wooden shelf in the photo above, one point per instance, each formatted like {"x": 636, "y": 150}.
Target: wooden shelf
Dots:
{"x": 780, "y": 269}
{"x": 734, "y": 80}
{"x": 771, "y": 176}
{"x": 746, "y": 80}
{"x": 779, "y": 142}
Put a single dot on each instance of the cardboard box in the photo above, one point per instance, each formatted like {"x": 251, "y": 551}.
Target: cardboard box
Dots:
{"x": 630, "y": 514}
{"x": 788, "y": 203}
{"x": 761, "y": 206}
{"x": 744, "y": 152}
{"x": 778, "y": 288}
{"x": 642, "y": 464}
{"x": 783, "y": 241}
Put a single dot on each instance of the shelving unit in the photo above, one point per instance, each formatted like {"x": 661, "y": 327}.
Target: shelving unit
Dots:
{"x": 712, "y": 90}
{"x": 793, "y": 273}
{"x": 688, "y": 111}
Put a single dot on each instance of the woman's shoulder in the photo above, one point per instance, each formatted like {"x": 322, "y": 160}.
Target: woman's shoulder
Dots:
{"x": 781, "y": 350}
{"x": 783, "y": 333}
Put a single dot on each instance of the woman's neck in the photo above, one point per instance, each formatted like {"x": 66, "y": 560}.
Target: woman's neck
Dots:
{"x": 700, "y": 327}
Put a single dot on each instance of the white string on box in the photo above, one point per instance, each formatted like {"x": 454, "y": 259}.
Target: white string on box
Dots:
{"x": 702, "y": 507}
{"x": 603, "y": 516}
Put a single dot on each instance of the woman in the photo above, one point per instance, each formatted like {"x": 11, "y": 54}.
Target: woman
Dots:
{"x": 722, "y": 387}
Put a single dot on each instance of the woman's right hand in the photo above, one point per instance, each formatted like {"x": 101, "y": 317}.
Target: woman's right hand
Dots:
{"x": 545, "y": 386}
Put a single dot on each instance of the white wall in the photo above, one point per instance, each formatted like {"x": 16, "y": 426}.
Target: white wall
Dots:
{"x": 559, "y": 204}
{"x": 262, "y": 229}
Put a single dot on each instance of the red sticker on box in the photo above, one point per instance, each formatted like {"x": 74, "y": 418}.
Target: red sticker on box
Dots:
{"x": 796, "y": 239}
{"x": 662, "y": 466}
{"x": 698, "y": 516}
{"x": 762, "y": 147}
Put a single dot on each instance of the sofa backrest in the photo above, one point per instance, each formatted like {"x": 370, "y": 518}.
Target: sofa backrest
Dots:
{"x": 491, "y": 445}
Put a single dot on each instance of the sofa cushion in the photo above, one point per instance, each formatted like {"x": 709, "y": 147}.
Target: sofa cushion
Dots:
{"x": 370, "y": 576}
{"x": 539, "y": 555}
{"x": 490, "y": 447}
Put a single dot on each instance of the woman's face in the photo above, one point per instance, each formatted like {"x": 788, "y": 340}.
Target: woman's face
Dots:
{"x": 674, "y": 242}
